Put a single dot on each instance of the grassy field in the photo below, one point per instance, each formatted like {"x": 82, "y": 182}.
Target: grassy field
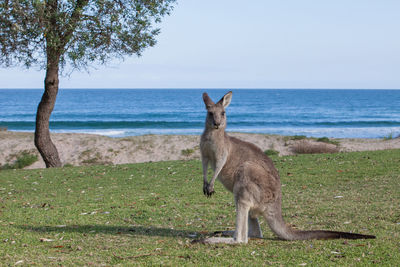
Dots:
{"x": 148, "y": 214}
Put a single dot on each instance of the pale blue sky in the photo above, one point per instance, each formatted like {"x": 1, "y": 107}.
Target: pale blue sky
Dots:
{"x": 256, "y": 44}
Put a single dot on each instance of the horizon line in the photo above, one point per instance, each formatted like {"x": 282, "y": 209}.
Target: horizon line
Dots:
{"x": 198, "y": 88}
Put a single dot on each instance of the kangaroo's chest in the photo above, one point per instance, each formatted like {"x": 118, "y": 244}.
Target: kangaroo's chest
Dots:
{"x": 217, "y": 152}
{"x": 227, "y": 179}
{"x": 212, "y": 150}
{"x": 218, "y": 157}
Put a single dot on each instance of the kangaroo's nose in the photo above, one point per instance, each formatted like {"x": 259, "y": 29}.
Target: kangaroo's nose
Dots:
{"x": 216, "y": 125}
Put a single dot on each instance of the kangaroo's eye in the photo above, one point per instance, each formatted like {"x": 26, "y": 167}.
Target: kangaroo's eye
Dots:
{"x": 210, "y": 114}
{"x": 223, "y": 113}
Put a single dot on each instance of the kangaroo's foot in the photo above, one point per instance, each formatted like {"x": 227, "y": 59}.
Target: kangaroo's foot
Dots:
{"x": 219, "y": 240}
{"x": 208, "y": 189}
{"x": 231, "y": 234}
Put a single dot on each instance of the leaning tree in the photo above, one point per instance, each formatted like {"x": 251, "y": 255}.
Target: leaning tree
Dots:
{"x": 57, "y": 35}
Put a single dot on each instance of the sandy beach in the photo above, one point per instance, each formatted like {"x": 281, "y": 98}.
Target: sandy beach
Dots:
{"x": 85, "y": 149}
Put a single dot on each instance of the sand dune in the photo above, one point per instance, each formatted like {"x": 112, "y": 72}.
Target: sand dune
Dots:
{"x": 84, "y": 149}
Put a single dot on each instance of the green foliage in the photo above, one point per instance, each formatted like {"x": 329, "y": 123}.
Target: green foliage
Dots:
{"x": 23, "y": 160}
{"x": 77, "y": 32}
{"x": 294, "y": 137}
{"x": 68, "y": 165}
{"x": 187, "y": 152}
{"x": 298, "y": 137}
{"x": 390, "y": 136}
{"x": 323, "y": 139}
{"x": 147, "y": 214}
{"x": 327, "y": 140}
{"x": 271, "y": 152}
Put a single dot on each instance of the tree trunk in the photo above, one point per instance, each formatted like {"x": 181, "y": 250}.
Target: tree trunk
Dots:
{"x": 43, "y": 142}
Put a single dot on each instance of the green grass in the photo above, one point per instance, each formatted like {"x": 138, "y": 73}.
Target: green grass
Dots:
{"x": 148, "y": 214}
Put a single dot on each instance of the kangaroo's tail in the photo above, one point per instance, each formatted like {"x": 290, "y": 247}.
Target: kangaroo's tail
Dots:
{"x": 285, "y": 232}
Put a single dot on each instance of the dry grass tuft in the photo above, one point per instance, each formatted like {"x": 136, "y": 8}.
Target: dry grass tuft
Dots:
{"x": 307, "y": 147}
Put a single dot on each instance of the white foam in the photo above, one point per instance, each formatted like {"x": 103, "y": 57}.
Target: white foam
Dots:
{"x": 367, "y": 132}
{"x": 344, "y": 132}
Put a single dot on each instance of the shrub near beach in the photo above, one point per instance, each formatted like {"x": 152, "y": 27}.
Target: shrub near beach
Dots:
{"x": 23, "y": 159}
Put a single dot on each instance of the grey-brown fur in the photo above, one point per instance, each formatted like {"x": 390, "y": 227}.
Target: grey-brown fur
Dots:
{"x": 252, "y": 178}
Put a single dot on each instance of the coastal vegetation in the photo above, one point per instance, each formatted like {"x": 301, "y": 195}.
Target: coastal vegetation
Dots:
{"x": 307, "y": 147}
{"x": 391, "y": 136}
{"x": 188, "y": 151}
{"x": 327, "y": 141}
{"x": 21, "y": 160}
{"x": 149, "y": 213}
{"x": 271, "y": 152}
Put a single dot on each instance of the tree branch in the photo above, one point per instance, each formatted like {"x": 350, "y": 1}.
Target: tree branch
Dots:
{"x": 70, "y": 27}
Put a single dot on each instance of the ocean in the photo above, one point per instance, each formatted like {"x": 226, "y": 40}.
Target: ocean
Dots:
{"x": 127, "y": 112}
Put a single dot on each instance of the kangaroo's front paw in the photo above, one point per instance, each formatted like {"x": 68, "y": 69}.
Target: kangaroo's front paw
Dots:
{"x": 208, "y": 189}
{"x": 205, "y": 186}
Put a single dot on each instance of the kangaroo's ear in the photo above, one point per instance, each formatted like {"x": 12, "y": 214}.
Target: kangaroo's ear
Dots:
{"x": 226, "y": 99}
{"x": 207, "y": 100}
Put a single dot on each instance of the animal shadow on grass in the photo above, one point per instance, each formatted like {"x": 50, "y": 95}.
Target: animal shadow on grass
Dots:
{"x": 112, "y": 230}
{"x": 131, "y": 230}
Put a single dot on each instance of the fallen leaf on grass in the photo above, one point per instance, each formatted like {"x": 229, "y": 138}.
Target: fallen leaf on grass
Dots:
{"x": 88, "y": 213}
{"x": 136, "y": 256}
{"x": 46, "y": 240}
{"x": 184, "y": 257}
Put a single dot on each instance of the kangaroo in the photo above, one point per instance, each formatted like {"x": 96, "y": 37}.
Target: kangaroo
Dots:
{"x": 251, "y": 176}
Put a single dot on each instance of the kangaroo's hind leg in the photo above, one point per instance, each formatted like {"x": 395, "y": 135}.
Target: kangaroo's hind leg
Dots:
{"x": 242, "y": 226}
{"x": 254, "y": 227}
{"x": 241, "y": 232}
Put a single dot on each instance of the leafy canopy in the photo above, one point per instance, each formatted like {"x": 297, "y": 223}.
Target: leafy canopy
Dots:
{"x": 77, "y": 32}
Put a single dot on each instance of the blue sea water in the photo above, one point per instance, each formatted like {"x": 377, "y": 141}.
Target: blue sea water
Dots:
{"x": 123, "y": 112}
